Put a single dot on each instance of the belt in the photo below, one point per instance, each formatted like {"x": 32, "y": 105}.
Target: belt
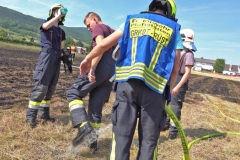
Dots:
{"x": 50, "y": 50}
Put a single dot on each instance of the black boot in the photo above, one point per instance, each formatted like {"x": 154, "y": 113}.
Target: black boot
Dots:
{"x": 31, "y": 117}
{"x": 167, "y": 125}
{"x": 82, "y": 132}
{"x": 43, "y": 113}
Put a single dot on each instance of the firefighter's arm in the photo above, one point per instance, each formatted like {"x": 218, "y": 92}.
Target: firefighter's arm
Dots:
{"x": 95, "y": 61}
{"x": 62, "y": 55}
{"x": 52, "y": 21}
{"x": 175, "y": 70}
{"x": 99, "y": 49}
{"x": 91, "y": 74}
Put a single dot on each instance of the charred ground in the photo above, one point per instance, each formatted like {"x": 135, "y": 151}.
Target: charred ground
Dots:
{"x": 50, "y": 141}
{"x": 16, "y": 69}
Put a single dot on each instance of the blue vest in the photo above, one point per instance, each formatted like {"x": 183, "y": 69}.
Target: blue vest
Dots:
{"x": 147, "y": 50}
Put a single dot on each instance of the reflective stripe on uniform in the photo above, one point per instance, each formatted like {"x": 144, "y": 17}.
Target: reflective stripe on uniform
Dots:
{"x": 45, "y": 103}
{"x": 95, "y": 125}
{"x": 134, "y": 49}
{"x": 83, "y": 123}
{"x": 34, "y": 105}
{"x": 76, "y": 104}
{"x": 140, "y": 70}
{"x": 113, "y": 150}
{"x": 155, "y": 56}
{"x": 156, "y": 151}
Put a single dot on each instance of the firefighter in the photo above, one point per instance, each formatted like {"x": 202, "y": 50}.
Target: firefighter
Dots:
{"x": 48, "y": 66}
{"x": 73, "y": 51}
{"x": 67, "y": 59}
{"x": 181, "y": 85}
{"x": 147, "y": 61}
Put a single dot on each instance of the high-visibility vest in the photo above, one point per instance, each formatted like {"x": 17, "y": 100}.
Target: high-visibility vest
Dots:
{"x": 73, "y": 49}
{"x": 147, "y": 50}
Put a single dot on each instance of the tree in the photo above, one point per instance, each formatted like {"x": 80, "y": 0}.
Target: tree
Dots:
{"x": 219, "y": 65}
{"x": 32, "y": 39}
{"x": 3, "y": 34}
{"x": 89, "y": 48}
{"x": 68, "y": 42}
{"x": 79, "y": 43}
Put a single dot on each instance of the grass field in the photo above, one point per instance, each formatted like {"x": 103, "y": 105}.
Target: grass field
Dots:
{"x": 52, "y": 141}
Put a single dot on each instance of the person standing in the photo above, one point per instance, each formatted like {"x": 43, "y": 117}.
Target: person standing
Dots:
{"x": 146, "y": 64}
{"x": 181, "y": 85}
{"x": 73, "y": 51}
{"x": 99, "y": 90}
{"x": 47, "y": 69}
{"x": 67, "y": 59}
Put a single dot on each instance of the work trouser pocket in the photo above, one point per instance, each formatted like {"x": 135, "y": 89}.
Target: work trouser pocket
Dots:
{"x": 37, "y": 74}
{"x": 114, "y": 113}
{"x": 163, "y": 120}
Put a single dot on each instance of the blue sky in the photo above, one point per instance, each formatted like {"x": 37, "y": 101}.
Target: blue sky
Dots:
{"x": 216, "y": 22}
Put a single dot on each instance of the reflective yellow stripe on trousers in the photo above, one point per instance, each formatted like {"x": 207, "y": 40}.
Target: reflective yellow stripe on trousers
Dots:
{"x": 75, "y": 104}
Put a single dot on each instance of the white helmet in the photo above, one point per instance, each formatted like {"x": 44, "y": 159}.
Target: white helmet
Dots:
{"x": 188, "y": 39}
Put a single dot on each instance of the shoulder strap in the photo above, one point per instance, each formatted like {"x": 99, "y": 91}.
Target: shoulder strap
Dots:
{"x": 60, "y": 38}
{"x": 51, "y": 34}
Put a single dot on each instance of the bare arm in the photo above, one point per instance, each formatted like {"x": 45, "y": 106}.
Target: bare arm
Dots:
{"x": 52, "y": 21}
{"x": 97, "y": 59}
{"x": 91, "y": 74}
{"x": 99, "y": 49}
{"x": 185, "y": 77}
{"x": 105, "y": 44}
{"x": 175, "y": 70}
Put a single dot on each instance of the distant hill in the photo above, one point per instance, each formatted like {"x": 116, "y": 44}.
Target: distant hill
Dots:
{"x": 23, "y": 25}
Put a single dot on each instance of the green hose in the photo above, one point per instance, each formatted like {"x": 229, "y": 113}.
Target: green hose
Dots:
{"x": 186, "y": 146}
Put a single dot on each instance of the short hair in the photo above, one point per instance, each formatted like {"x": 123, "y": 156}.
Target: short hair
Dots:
{"x": 91, "y": 15}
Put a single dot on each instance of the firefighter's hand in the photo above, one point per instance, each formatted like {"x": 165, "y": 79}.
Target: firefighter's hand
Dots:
{"x": 59, "y": 14}
{"x": 175, "y": 91}
{"x": 84, "y": 67}
{"x": 91, "y": 75}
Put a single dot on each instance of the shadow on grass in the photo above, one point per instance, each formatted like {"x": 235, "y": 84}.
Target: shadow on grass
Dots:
{"x": 194, "y": 133}
{"x": 62, "y": 119}
{"x": 102, "y": 152}
{"x": 199, "y": 132}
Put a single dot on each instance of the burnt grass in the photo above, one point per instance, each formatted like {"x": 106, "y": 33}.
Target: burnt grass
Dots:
{"x": 16, "y": 69}
{"x": 225, "y": 89}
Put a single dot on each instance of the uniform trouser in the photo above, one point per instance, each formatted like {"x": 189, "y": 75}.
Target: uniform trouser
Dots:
{"x": 176, "y": 103}
{"x": 46, "y": 76}
{"x": 135, "y": 100}
{"x": 99, "y": 92}
{"x": 73, "y": 56}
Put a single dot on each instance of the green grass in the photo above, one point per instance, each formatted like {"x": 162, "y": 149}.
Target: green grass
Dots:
{"x": 21, "y": 47}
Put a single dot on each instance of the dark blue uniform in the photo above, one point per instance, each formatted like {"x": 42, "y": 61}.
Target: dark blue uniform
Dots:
{"x": 46, "y": 73}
